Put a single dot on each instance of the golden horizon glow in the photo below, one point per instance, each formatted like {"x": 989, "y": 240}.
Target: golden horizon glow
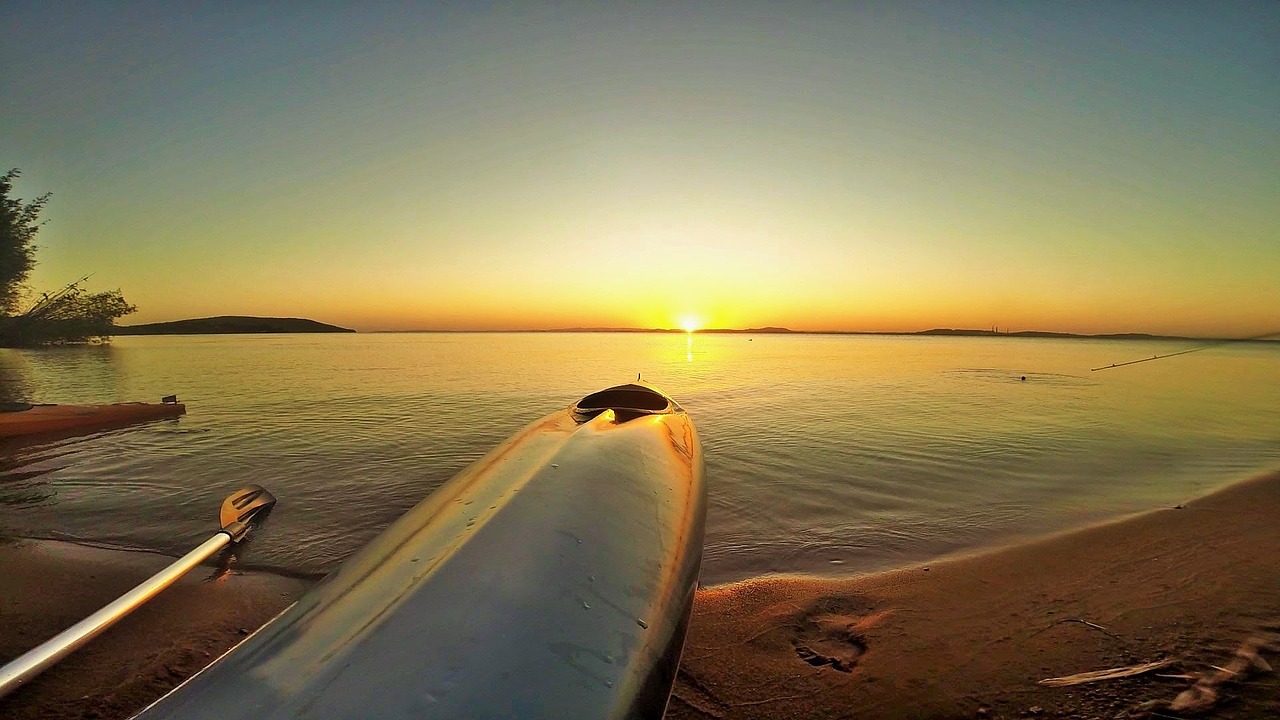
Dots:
{"x": 1087, "y": 170}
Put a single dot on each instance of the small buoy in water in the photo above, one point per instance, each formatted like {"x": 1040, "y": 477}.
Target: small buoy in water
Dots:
{"x": 1024, "y": 378}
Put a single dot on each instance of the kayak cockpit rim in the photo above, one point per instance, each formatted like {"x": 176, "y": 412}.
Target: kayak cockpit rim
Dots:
{"x": 627, "y": 401}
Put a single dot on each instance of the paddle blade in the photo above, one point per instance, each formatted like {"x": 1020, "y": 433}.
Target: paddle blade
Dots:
{"x": 241, "y": 507}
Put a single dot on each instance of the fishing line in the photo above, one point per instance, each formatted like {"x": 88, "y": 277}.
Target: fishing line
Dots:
{"x": 1213, "y": 344}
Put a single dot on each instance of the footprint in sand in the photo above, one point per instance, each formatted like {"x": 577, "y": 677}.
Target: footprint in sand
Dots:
{"x": 830, "y": 638}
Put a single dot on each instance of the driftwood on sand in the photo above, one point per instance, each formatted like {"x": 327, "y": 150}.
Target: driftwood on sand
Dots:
{"x": 1201, "y": 696}
{"x": 1082, "y": 621}
{"x": 1204, "y": 693}
{"x": 1109, "y": 674}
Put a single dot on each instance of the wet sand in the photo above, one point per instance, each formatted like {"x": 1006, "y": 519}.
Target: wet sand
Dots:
{"x": 962, "y": 638}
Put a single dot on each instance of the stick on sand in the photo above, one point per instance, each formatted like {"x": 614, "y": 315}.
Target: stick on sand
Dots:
{"x": 1098, "y": 675}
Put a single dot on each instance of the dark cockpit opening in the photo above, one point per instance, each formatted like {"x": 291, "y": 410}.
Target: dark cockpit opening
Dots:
{"x": 625, "y": 397}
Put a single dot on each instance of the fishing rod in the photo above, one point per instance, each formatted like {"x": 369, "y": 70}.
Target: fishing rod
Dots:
{"x": 1213, "y": 344}
{"x": 46, "y": 299}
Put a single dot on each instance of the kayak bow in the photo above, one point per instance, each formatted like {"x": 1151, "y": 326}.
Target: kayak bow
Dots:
{"x": 553, "y": 578}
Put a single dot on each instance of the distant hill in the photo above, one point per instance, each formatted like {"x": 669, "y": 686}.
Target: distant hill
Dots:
{"x": 231, "y": 325}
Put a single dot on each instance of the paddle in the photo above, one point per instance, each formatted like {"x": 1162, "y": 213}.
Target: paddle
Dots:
{"x": 236, "y": 516}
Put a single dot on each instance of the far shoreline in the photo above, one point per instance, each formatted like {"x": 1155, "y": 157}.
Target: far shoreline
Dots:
{"x": 936, "y": 332}
{"x": 256, "y": 325}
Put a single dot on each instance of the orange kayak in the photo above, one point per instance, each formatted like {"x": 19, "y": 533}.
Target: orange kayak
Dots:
{"x": 18, "y": 419}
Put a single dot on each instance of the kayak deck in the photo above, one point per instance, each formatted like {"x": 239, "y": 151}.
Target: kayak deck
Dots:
{"x": 553, "y": 578}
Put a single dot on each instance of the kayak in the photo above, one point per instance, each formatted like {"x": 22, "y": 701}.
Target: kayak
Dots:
{"x": 17, "y": 419}
{"x": 553, "y": 578}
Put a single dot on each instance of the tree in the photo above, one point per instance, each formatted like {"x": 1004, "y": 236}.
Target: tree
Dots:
{"x": 19, "y": 223}
{"x": 71, "y": 315}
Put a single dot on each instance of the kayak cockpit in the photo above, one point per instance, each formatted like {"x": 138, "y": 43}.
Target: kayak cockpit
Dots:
{"x": 626, "y": 401}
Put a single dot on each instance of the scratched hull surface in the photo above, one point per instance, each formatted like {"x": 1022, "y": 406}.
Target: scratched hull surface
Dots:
{"x": 553, "y": 578}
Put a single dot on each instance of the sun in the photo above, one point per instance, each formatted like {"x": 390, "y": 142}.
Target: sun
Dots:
{"x": 690, "y": 323}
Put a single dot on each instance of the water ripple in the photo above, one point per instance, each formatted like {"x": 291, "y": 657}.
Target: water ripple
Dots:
{"x": 824, "y": 454}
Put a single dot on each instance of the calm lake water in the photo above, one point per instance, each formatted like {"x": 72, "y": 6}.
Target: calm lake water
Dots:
{"x": 825, "y": 454}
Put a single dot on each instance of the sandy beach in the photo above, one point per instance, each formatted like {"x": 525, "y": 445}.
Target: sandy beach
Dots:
{"x": 49, "y": 586}
{"x": 966, "y": 637}
{"x": 971, "y": 637}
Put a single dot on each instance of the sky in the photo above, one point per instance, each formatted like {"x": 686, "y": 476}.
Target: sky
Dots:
{"x": 881, "y": 166}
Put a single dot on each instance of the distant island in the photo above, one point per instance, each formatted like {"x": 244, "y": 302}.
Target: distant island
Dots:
{"x": 230, "y": 325}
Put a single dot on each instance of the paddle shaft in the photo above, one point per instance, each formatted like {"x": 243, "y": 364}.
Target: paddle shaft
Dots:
{"x": 37, "y": 660}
